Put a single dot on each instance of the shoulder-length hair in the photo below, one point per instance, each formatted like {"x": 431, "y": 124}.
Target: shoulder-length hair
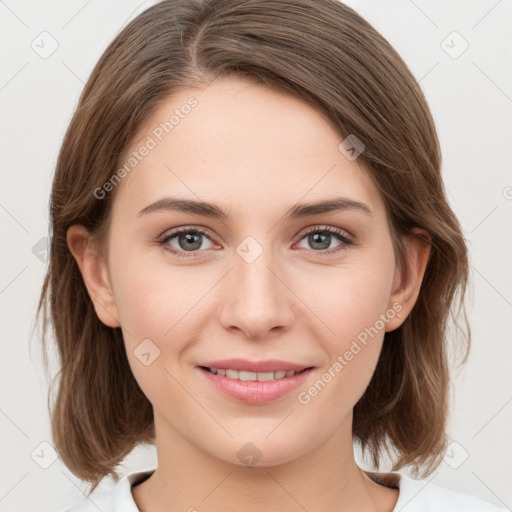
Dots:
{"x": 326, "y": 54}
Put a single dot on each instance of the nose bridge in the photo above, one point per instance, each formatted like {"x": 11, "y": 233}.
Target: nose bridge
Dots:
{"x": 257, "y": 300}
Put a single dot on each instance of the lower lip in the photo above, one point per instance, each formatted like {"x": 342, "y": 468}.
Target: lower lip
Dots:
{"x": 256, "y": 392}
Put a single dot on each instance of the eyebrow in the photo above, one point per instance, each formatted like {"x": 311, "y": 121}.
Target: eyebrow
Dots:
{"x": 213, "y": 211}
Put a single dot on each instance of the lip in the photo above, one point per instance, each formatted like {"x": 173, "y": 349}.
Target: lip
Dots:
{"x": 270, "y": 365}
{"x": 255, "y": 392}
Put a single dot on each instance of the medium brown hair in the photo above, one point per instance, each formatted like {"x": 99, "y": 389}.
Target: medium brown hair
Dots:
{"x": 324, "y": 53}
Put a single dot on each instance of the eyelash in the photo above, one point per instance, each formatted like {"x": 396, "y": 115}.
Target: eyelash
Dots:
{"x": 338, "y": 233}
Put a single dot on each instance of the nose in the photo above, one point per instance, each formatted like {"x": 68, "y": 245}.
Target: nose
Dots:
{"x": 256, "y": 298}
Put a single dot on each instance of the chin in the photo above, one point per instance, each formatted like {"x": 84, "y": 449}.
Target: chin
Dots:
{"x": 261, "y": 452}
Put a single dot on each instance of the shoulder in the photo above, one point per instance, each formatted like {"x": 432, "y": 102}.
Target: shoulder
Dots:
{"x": 117, "y": 499}
{"x": 424, "y": 496}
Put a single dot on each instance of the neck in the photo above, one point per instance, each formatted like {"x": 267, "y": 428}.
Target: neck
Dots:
{"x": 324, "y": 478}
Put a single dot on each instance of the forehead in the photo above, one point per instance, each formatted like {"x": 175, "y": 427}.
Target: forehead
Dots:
{"x": 240, "y": 144}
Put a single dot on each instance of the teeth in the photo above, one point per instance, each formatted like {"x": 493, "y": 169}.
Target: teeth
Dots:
{"x": 253, "y": 376}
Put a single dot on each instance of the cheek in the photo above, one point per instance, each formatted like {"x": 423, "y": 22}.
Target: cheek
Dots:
{"x": 138, "y": 289}
{"x": 356, "y": 309}
{"x": 361, "y": 299}
{"x": 153, "y": 296}
{"x": 335, "y": 304}
{"x": 353, "y": 305}
{"x": 160, "y": 314}
{"x": 163, "y": 303}
{"x": 349, "y": 299}
{"x": 146, "y": 290}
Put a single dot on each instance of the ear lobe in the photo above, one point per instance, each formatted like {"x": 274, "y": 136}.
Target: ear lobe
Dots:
{"x": 94, "y": 273}
{"x": 407, "y": 284}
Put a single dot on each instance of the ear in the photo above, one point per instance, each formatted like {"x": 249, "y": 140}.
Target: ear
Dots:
{"x": 407, "y": 284}
{"x": 94, "y": 272}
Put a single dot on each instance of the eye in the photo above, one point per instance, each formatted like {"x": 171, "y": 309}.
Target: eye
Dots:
{"x": 320, "y": 238}
{"x": 190, "y": 240}
{"x": 187, "y": 240}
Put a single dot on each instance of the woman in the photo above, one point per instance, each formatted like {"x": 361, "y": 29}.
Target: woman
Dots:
{"x": 252, "y": 266}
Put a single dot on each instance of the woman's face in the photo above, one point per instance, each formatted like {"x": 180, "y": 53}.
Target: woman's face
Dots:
{"x": 265, "y": 282}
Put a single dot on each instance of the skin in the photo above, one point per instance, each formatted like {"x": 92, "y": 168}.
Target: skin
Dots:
{"x": 255, "y": 153}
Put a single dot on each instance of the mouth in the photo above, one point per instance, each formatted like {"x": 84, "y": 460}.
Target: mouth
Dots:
{"x": 255, "y": 388}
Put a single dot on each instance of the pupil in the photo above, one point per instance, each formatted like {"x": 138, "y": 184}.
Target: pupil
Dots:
{"x": 188, "y": 239}
{"x": 322, "y": 238}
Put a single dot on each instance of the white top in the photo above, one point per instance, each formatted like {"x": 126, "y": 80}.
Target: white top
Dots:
{"x": 414, "y": 496}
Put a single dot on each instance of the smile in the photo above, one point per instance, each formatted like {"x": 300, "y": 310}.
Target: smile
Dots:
{"x": 254, "y": 387}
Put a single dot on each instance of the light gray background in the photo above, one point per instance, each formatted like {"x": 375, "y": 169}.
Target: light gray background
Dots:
{"x": 471, "y": 100}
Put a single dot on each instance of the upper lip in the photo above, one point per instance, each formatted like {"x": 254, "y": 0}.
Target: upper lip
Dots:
{"x": 270, "y": 365}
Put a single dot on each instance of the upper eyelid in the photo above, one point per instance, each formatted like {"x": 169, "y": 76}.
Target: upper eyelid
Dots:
{"x": 171, "y": 233}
